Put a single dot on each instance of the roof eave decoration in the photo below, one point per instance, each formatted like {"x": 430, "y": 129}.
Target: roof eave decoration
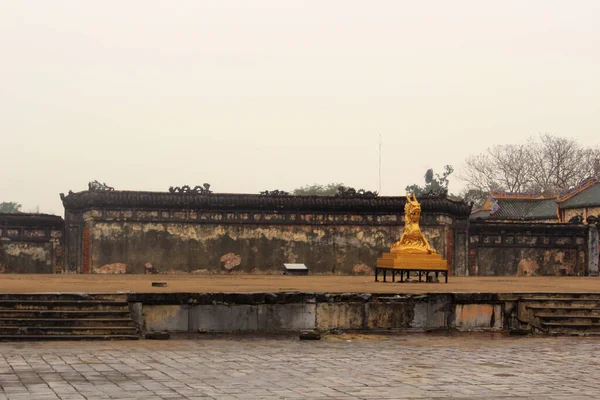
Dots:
{"x": 499, "y": 194}
{"x": 264, "y": 201}
{"x": 548, "y": 217}
{"x": 495, "y": 206}
{"x": 572, "y": 192}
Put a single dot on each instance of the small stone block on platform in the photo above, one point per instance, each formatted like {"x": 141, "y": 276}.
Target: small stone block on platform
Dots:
{"x": 157, "y": 336}
{"x": 295, "y": 269}
{"x": 310, "y": 335}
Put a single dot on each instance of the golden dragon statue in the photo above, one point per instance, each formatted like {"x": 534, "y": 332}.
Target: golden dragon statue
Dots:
{"x": 412, "y": 240}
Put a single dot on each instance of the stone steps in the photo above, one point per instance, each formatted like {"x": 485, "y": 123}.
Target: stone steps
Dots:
{"x": 15, "y": 338}
{"x": 40, "y": 321}
{"x": 75, "y": 330}
{"x": 565, "y": 324}
{"x": 552, "y": 310}
{"x": 563, "y": 314}
{"x": 52, "y": 316}
{"x": 4, "y": 314}
{"x": 572, "y": 328}
{"x": 559, "y": 299}
{"x": 63, "y": 296}
{"x": 65, "y": 305}
{"x": 546, "y": 319}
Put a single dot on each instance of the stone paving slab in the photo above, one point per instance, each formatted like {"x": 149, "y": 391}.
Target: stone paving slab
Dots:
{"x": 418, "y": 366}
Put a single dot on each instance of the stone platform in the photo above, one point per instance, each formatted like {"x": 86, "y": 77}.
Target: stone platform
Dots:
{"x": 273, "y": 303}
{"x": 237, "y": 283}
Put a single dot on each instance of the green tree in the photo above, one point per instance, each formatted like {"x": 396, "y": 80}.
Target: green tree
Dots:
{"x": 316, "y": 189}
{"x": 435, "y": 184}
{"x": 475, "y": 196}
{"x": 10, "y": 207}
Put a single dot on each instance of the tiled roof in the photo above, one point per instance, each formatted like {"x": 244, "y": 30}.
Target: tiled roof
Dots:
{"x": 31, "y": 220}
{"x": 224, "y": 201}
{"x": 483, "y": 214}
{"x": 524, "y": 209}
{"x": 586, "y": 198}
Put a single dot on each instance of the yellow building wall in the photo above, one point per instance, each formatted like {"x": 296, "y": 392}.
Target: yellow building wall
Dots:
{"x": 567, "y": 214}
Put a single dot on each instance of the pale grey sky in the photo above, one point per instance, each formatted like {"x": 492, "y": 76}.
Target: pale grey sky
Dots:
{"x": 255, "y": 95}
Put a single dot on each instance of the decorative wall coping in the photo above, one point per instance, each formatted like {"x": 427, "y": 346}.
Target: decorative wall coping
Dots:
{"x": 242, "y": 217}
{"x": 254, "y": 202}
{"x": 527, "y": 228}
{"x": 31, "y": 220}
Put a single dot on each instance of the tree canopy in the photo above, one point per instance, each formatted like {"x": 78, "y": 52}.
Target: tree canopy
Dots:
{"x": 317, "y": 189}
{"x": 10, "y": 207}
{"x": 435, "y": 184}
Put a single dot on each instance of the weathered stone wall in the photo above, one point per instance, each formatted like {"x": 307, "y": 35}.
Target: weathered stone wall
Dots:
{"x": 528, "y": 249}
{"x": 185, "y": 247}
{"x": 594, "y": 250}
{"x": 250, "y": 312}
{"x": 247, "y": 233}
{"x": 30, "y": 243}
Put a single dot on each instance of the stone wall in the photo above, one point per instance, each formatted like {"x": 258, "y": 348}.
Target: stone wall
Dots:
{"x": 529, "y": 249}
{"x": 30, "y": 243}
{"x": 189, "y": 247}
{"x": 593, "y": 250}
{"x": 271, "y": 312}
{"x": 132, "y": 232}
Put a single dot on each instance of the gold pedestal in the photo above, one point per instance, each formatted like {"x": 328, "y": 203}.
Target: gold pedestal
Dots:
{"x": 412, "y": 252}
{"x": 408, "y": 261}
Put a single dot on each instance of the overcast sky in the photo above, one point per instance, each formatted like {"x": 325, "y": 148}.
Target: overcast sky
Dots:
{"x": 255, "y": 95}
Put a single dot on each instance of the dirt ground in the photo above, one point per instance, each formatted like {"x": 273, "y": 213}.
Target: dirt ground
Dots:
{"x": 25, "y": 283}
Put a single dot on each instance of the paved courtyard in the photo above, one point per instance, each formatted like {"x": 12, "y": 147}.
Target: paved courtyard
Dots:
{"x": 419, "y": 366}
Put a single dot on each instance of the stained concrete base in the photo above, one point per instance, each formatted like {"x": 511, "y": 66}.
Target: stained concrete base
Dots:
{"x": 269, "y": 312}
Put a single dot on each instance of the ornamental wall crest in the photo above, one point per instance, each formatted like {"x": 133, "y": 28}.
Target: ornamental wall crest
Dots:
{"x": 95, "y": 186}
{"x": 274, "y": 193}
{"x": 186, "y": 189}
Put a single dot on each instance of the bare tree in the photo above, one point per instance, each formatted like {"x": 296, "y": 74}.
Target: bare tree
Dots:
{"x": 513, "y": 166}
{"x": 546, "y": 163}
{"x": 478, "y": 172}
{"x": 503, "y": 167}
{"x": 560, "y": 163}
